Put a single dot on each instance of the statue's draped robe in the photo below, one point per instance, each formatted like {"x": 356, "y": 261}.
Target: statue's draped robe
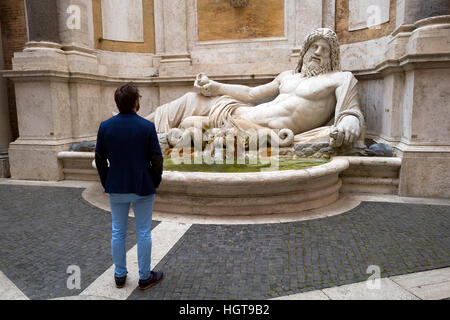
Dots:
{"x": 171, "y": 114}
{"x": 346, "y": 104}
{"x": 220, "y": 109}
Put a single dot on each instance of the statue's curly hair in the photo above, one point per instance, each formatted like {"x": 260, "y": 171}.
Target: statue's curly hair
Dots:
{"x": 331, "y": 37}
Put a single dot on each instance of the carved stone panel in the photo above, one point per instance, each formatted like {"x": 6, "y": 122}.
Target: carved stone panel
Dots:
{"x": 227, "y": 20}
{"x": 123, "y": 20}
{"x": 367, "y": 13}
{"x": 239, "y": 3}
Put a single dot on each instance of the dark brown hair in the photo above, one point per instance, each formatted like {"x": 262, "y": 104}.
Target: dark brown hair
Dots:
{"x": 126, "y": 96}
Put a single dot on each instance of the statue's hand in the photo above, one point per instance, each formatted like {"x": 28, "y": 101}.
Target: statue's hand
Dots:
{"x": 348, "y": 130}
{"x": 206, "y": 86}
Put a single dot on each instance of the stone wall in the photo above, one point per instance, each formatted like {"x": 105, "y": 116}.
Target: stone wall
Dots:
{"x": 76, "y": 77}
{"x": 410, "y": 11}
{"x": 14, "y": 37}
{"x": 5, "y": 130}
{"x": 346, "y": 36}
{"x": 219, "y": 20}
{"x": 145, "y": 46}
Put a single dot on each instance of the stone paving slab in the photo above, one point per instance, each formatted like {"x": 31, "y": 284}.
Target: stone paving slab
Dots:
{"x": 43, "y": 230}
{"x": 9, "y": 291}
{"x": 310, "y": 295}
{"x": 271, "y": 260}
{"x": 423, "y": 278}
{"x": 435, "y": 291}
{"x": 388, "y": 290}
{"x": 427, "y": 285}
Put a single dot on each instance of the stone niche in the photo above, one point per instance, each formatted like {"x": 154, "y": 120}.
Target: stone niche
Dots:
{"x": 219, "y": 20}
{"x": 129, "y": 30}
{"x": 362, "y": 20}
{"x": 402, "y": 73}
{"x": 367, "y": 13}
{"x": 123, "y": 20}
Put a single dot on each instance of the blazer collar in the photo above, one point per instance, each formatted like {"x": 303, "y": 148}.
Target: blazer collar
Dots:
{"x": 128, "y": 114}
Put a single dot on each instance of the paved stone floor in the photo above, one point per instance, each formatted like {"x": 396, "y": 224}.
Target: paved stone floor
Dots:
{"x": 43, "y": 230}
{"x": 268, "y": 261}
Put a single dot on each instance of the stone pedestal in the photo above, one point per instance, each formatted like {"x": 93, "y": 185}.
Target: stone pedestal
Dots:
{"x": 425, "y": 140}
{"x": 403, "y": 90}
{"x": 4, "y": 167}
{"x": 425, "y": 143}
{"x": 43, "y": 110}
{"x": 56, "y": 104}
{"x": 425, "y": 171}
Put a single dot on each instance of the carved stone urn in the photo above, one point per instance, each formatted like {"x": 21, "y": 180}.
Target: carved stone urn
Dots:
{"x": 239, "y": 3}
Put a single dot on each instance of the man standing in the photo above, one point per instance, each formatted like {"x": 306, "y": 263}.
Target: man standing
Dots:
{"x": 130, "y": 144}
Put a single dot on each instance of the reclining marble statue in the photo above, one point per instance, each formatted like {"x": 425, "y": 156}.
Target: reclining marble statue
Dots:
{"x": 317, "y": 101}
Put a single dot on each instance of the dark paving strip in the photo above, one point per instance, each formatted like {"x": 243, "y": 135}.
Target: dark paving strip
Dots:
{"x": 272, "y": 260}
{"x": 43, "y": 230}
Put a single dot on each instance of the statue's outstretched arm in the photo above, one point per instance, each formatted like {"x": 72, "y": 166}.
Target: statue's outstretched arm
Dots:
{"x": 209, "y": 87}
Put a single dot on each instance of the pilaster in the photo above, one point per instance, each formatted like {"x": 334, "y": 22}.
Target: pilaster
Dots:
{"x": 309, "y": 16}
{"x": 171, "y": 35}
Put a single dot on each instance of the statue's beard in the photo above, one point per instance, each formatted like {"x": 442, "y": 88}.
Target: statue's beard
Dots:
{"x": 312, "y": 68}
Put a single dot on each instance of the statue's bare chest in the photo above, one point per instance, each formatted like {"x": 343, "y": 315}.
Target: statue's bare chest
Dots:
{"x": 316, "y": 88}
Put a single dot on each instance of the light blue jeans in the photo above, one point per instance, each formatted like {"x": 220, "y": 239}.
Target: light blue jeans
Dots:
{"x": 143, "y": 208}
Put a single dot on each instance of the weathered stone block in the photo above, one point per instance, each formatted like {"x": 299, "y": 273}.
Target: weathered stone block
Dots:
{"x": 379, "y": 150}
{"x": 84, "y": 146}
{"x": 4, "y": 168}
{"x": 315, "y": 150}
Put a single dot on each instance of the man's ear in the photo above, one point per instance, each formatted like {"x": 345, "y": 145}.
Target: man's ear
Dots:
{"x": 137, "y": 105}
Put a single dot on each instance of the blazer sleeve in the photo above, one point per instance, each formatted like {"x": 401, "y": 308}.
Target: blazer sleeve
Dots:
{"x": 101, "y": 157}
{"x": 156, "y": 158}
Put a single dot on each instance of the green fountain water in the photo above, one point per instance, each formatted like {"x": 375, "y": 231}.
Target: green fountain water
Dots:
{"x": 283, "y": 164}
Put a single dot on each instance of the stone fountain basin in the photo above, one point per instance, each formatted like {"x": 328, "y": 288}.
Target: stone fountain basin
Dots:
{"x": 253, "y": 193}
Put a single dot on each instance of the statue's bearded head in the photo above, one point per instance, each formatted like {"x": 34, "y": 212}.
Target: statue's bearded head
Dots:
{"x": 320, "y": 53}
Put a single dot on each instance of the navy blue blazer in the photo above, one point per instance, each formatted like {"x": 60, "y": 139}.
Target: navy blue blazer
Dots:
{"x": 130, "y": 144}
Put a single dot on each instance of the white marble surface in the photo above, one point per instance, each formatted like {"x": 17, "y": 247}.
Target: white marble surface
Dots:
{"x": 123, "y": 20}
{"x": 9, "y": 291}
{"x": 388, "y": 290}
{"x": 433, "y": 284}
{"x": 293, "y": 97}
{"x": 174, "y": 26}
{"x": 310, "y": 295}
{"x": 308, "y": 17}
{"x": 75, "y": 19}
{"x": 367, "y": 13}
{"x": 363, "y": 55}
